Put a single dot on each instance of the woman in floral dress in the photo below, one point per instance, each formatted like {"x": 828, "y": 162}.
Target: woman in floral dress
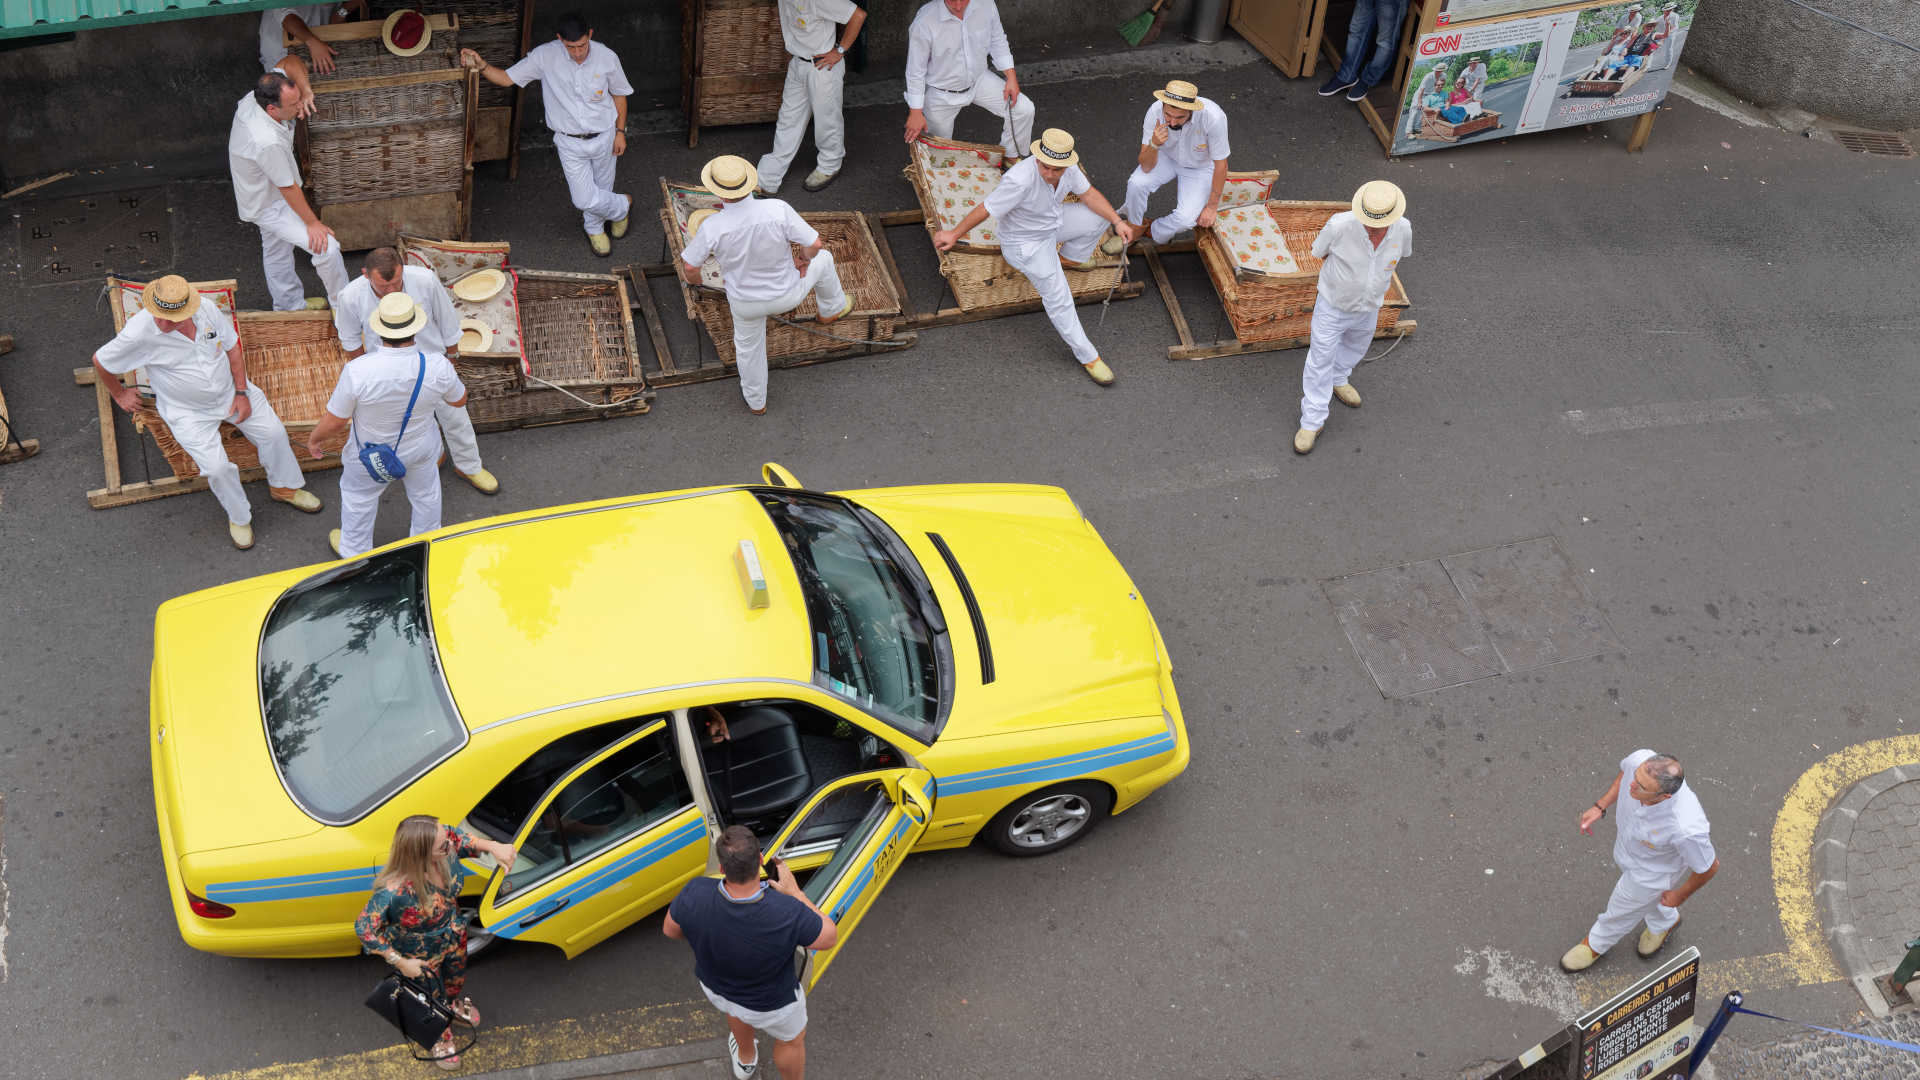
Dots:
{"x": 413, "y": 918}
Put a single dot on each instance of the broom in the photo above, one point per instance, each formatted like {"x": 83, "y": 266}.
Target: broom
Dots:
{"x": 1144, "y": 28}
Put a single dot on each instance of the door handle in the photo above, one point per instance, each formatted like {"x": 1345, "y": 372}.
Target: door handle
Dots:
{"x": 550, "y": 912}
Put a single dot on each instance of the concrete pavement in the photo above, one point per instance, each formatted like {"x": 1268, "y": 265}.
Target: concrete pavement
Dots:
{"x": 1343, "y": 885}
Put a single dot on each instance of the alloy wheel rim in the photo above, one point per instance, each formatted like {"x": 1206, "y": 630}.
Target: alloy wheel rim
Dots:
{"x": 1050, "y": 821}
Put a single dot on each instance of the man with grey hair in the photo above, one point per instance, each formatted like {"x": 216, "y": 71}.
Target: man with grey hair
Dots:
{"x": 1663, "y": 851}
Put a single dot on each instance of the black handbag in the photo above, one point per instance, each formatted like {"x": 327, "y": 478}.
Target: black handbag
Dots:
{"x": 408, "y": 1006}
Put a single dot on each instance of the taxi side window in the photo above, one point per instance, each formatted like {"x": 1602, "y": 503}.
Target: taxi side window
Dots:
{"x": 628, "y": 792}
{"x": 510, "y": 802}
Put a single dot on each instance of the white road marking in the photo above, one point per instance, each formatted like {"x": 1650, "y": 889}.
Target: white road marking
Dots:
{"x": 1677, "y": 413}
{"x": 1156, "y": 483}
{"x": 6, "y": 902}
{"x": 1507, "y": 977}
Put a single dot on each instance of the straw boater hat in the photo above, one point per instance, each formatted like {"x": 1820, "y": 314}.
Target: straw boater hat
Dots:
{"x": 170, "y": 298}
{"x": 397, "y": 317}
{"x": 1379, "y": 203}
{"x": 1181, "y": 94}
{"x": 697, "y": 219}
{"x": 730, "y": 177}
{"x": 1055, "y": 148}
{"x": 406, "y": 33}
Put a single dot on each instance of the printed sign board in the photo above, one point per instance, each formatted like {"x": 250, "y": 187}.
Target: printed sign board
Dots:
{"x": 1534, "y": 73}
{"x": 1644, "y": 1032}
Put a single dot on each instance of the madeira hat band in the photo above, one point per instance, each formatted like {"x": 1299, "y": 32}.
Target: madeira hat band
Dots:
{"x": 1181, "y": 95}
{"x": 397, "y": 317}
{"x": 170, "y": 298}
{"x": 1055, "y": 148}
{"x": 730, "y": 177}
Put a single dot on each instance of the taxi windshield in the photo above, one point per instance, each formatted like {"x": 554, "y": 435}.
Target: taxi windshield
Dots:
{"x": 879, "y": 639}
{"x": 350, "y": 686}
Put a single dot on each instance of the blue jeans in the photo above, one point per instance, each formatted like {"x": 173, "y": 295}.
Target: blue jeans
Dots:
{"x": 1379, "y": 19}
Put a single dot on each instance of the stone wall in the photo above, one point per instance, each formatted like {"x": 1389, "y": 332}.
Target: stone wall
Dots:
{"x": 1775, "y": 54}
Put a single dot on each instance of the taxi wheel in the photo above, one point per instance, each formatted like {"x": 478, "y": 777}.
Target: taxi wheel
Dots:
{"x": 1047, "y": 820}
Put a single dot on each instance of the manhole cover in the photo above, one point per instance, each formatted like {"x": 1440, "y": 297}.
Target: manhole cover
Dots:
{"x": 1883, "y": 143}
{"x": 84, "y": 237}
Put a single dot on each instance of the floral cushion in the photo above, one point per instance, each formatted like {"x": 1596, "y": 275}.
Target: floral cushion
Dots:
{"x": 935, "y": 155}
{"x": 1246, "y": 190}
{"x": 683, "y": 201}
{"x": 451, "y": 260}
{"x": 127, "y": 298}
{"x": 955, "y": 191}
{"x": 1254, "y": 241}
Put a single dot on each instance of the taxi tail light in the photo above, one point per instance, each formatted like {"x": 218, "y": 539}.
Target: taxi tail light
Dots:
{"x": 208, "y": 909}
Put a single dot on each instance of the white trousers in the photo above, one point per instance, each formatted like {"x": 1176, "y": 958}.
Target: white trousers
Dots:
{"x": 456, "y": 427}
{"x": 588, "y": 165}
{"x": 1339, "y": 339}
{"x": 360, "y": 495}
{"x": 990, "y": 93}
{"x": 1196, "y": 189}
{"x": 750, "y": 322}
{"x": 810, "y": 93}
{"x": 199, "y": 435}
{"x": 1631, "y": 903}
{"x": 281, "y": 230}
{"x": 1080, "y": 230}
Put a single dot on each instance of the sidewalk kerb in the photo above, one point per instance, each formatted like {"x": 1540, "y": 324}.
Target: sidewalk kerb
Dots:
{"x": 1832, "y": 838}
{"x": 612, "y": 1065}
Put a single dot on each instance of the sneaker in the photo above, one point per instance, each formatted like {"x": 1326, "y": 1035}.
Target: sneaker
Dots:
{"x": 242, "y": 535}
{"x": 1347, "y": 396}
{"x": 1579, "y": 958}
{"x": 1359, "y": 92}
{"x": 316, "y": 303}
{"x": 1303, "y": 440}
{"x": 824, "y": 319}
{"x": 742, "y": 1071}
{"x": 483, "y": 481}
{"x": 619, "y": 228}
{"x": 816, "y": 180}
{"x": 1099, "y": 372}
{"x": 1335, "y": 85}
{"x": 601, "y": 246}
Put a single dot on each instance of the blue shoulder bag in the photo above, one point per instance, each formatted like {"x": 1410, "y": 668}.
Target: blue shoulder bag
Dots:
{"x": 381, "y": 460}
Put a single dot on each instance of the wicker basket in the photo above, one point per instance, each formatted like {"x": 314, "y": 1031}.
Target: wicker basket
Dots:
{"x": 980, "y": 279}
{"x": 360, "y": 56}
{"x": 855, "y": 258}
{"x": 536, "y": 407}
{"x": 385, "y": 106}
{"x": 1274, "y": 306}
{"x": 1432, "y": 127}
{"x": 581, "y": 352}
{"x": 354, "y": 164}
{"x": 737, "y": 74}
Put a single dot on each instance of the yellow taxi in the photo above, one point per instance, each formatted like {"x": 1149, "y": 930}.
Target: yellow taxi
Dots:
{"x": 607, "y": 685}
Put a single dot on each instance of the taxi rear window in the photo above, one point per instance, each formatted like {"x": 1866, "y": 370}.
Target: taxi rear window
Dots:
{"x": 355, "y": 704}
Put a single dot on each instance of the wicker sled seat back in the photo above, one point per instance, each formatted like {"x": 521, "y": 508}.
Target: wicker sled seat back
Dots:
{"x": 1269, "y": 306}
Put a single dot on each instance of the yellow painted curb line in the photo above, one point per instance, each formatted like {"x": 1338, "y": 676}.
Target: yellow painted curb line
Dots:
{"x": 1807, "y": 961}
{"x": 513, "y": 1047}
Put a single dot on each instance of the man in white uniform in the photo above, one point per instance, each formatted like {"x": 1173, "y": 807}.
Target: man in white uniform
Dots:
{"x": 266, "y": 191}
{"x": 1630, "y": 20}
{"x": 381, "y": 275}
{"x": 948, "y": 46}
{"x": 1662, "y": 848}
{"x": 1476, "y": 76}
{"x": 387, "y": 396}
{"x": 816, "y": 47}
{"x": 1359, "y": 249}
{"x": 1669, "y": 24}
{"x": 752, "y": 239}
{"x": 1183, "y": 139}
{"x": 277, "y": 23}
{"x": 586, "y": 93}
{"x": 1041, "y": 234}
{"x": 190, "y": 355}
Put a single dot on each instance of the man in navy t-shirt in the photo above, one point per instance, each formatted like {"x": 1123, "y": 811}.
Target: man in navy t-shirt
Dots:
{"x": 744, "y": 935}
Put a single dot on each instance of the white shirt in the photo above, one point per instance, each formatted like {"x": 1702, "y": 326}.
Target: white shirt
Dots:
{"x": 1196, "y": 144}
{"x": 187, "y": 375}
{"x": 1629, "y": 21}
{"x": 260, "y": 157}
{"x": 356, "y": 304}
{"x": 1476, "y": 76}
{"x": 1655, "y": 845}
{"x": 752, "y": 238}
{"x": 273, "y": 30}
{"x": 1670, "y": 23}
{"x": 579, "y": 96}
{"x": 1027, "y": 207}
{"x": 373, "y": 392}
{"x": 808, "y": 26}
{"x": 1429, "y": 83}
{"x": 951, "y": 54}
{"x": 1355, "y": 274}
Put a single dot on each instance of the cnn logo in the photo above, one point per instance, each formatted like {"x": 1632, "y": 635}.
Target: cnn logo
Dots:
{"x": 1440, "y": 43}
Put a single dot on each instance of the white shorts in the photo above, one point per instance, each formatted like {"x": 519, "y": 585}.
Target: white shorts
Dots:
{"x": 785, "y": 1024}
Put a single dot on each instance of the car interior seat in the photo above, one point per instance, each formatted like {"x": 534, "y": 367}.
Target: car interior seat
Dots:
{"x": 760, "y": 767}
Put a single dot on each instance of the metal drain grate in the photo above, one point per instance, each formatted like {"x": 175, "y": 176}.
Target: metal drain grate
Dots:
{"x": 1874, "y": 142}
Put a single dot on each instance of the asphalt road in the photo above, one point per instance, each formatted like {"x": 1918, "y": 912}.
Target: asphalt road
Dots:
{"x": 1342, "y": 886}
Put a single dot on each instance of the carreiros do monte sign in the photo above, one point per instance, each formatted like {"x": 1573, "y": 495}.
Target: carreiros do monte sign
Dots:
{"x": 1644, "y": 1032}
{"x": 1539, "y": 72}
